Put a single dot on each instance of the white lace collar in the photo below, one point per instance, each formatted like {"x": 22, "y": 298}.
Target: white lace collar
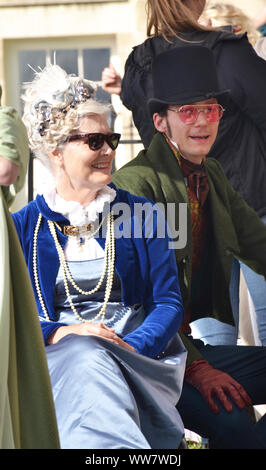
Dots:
{"x": 74, "y": 211}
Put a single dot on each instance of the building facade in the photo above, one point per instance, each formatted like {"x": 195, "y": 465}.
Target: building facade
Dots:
{"x": 84, "y": 36}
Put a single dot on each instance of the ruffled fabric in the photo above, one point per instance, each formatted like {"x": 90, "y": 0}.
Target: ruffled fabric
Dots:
{"x": 74, "y": 211}
{"x": 86, "y": 247}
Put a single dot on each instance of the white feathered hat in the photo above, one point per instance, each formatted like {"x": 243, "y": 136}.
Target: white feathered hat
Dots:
{"x": 52, "y": 93}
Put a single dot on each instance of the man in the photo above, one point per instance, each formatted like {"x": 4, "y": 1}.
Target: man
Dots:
{"x": 220, "y": 381}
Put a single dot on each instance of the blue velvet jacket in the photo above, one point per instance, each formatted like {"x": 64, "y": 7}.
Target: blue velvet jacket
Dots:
{"x": 146, "y": 268}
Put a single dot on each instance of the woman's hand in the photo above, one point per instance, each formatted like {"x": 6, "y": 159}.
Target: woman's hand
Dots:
{"x": 111, "y": 80}
{"x": 86, "y": 329}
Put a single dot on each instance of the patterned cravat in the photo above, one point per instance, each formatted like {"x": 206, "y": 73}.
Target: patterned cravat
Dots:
{"x": 195, "y": 175}
{"x": 196, "y": 178}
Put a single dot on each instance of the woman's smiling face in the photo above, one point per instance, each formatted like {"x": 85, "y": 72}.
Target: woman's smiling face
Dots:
{"x": 85, "y": 168}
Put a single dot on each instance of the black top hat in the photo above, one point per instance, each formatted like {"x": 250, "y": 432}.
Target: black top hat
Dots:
{"x": 184, "y": 75}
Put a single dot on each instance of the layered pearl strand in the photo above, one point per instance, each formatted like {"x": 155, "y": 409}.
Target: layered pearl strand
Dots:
{"x": 108, "y": 270}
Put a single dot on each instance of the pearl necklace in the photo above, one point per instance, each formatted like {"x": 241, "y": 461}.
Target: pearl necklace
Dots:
{"x": 109, "y": 263}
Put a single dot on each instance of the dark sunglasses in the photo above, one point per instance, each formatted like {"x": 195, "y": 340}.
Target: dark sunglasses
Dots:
{"x": 95, "y": 140}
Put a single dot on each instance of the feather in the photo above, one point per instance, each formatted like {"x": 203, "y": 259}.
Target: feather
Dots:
{"x": 55, "y": 87}
{"x": 52, "y": 85}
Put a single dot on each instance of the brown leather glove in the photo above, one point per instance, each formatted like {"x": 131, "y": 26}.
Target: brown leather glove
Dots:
{"x": 212, "y": 382}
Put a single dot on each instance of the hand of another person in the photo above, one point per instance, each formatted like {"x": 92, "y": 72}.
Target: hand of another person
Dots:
{"x": 111, "y": 80}
{"x": 212, "y": 383}
{"x": 8, "y": 172}
{"x": 86, "y": 329}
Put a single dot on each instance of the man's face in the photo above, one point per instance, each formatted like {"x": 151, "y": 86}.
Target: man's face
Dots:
{"x": 194, "y": 140}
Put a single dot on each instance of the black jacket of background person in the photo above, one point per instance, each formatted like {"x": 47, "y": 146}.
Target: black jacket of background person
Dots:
{"x": 241, "y": 143}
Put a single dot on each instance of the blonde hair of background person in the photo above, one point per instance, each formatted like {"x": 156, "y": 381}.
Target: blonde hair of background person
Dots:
{"x": 222, "y": 14}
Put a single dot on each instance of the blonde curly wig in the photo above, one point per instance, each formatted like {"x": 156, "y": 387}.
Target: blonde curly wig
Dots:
{"x": 54, "y": 104}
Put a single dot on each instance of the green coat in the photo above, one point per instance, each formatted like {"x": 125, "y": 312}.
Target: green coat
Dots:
{"x": 237, "y": 230}
{"x": 27, "y": 413}
{"x": 27, "y": 418}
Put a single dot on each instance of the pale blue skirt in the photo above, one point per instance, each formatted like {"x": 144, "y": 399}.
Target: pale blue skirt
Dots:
{"x": 107, "y": 397}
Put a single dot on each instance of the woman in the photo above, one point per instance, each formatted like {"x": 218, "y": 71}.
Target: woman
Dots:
{"x": 27, "y": 416}
{"x": 241, "y": 141}
{"x": 108, "y": 304}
